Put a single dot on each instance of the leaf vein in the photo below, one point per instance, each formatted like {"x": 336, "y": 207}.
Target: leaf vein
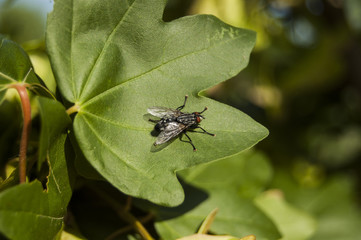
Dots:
{"x": 151, "y": 70}
{"x": 107, "y": 43}
{"x": 71, "y": 51}
{"x": 52, "y": 175}
{"x": 113, "y": 152}
{"x": 32, "y": 213}
{"x": 7, "y": 77}
{"x": 115, "y": 123}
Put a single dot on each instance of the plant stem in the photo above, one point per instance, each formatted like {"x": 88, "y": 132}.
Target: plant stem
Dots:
{"x": 128, "y": 204}
{"x": 129, "y": 227}
{"x": 72, "y": 109}
{"x": 25, "y": 105}
{"x": 119, "y": 232}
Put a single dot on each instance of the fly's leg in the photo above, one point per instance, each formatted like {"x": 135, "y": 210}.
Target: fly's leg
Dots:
{"x": 190, "y": 141}
{"x": 185, "y": 100}
{"x": 204, "y": 131}
{"x": 153, "y": 121}
{"x": 205, "y": 108}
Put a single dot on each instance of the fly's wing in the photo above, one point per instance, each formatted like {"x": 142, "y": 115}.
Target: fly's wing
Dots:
{"x": 172, "y": 130}
{"x": 162, "y": 112}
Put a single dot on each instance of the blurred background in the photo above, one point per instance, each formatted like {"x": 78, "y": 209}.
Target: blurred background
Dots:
{"x": 303, "y": 83}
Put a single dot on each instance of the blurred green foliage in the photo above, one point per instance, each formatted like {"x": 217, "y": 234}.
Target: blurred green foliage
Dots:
{"x": 303, "y": 83}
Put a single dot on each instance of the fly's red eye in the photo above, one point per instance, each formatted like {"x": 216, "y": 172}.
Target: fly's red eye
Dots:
{"x": 198, "y": 119}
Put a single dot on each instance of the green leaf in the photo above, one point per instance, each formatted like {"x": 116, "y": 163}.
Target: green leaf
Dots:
{"x": 10, "y": 181}
{"x": 336, "y": 209}
{"x": 53, "y": 120}
{"x": 114, "y": 60}
{"x": 28, "y": 216}
{"x": 29, "y": 212}
{"x": 15, "y": 66}
{"x": 219, "y": 188}
{"x": 293, "y": 223}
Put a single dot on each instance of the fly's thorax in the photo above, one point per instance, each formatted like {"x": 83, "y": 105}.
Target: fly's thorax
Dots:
{"x": 188, "y": 119}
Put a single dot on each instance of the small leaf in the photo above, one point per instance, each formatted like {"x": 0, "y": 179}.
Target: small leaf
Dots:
{"x": 117, "y": 58}
{"x": 204, "y": 228}
{"x": 15, "y": 65}
{"x": 27, "y": 212}
{"x": 53, "y": 121}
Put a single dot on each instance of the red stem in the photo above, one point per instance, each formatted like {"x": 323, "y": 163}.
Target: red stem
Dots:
{"x": 25, "y": 105}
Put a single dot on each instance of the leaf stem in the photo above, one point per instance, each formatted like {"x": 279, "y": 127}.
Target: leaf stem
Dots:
{"x": 125, "y": 215}
{"x": 128, "y": 204}
{"x": 25, "y": 105}
{"x": 73, "y": 109}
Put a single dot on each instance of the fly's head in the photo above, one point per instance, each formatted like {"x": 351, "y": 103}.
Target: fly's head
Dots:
{"x": 198, "y": 115}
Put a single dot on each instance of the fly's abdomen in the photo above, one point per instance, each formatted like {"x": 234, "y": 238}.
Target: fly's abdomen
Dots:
{"x": 162, "y": 124}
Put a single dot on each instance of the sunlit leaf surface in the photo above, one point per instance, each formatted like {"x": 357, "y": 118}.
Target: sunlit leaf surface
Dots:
{"x": 115, "y": 59}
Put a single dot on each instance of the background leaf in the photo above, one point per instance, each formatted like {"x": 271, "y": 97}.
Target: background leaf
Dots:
{"x": 293, "y": 223}
{"x": 27, "y": 211}
{"x": 115, "y": 60}
{"x": 332, "y": 203}
{"x": 221, "y": 185}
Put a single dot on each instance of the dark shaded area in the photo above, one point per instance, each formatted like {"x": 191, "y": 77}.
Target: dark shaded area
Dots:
{"x": 91, "y": 214}
{"x": 94, "y": 218}
{"x": 10, "y": 124}
{"x": 193, "y": 198}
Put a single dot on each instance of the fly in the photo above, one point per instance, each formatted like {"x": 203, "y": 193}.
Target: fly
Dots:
{"x": 174, "y": 122}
